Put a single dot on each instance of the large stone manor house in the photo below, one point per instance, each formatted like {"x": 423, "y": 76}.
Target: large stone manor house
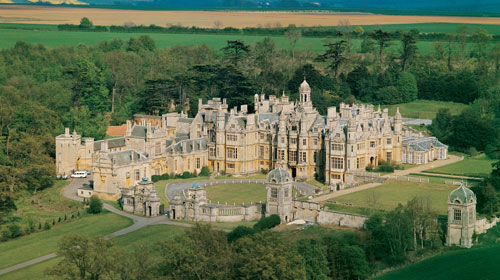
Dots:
{"x": 281, "y": 132}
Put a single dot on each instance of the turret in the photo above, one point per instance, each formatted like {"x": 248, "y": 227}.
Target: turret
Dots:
{"x": 398, "y": 122}
{"x": 305, "y": 94}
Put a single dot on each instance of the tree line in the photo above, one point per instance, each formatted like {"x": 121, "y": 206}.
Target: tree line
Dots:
{"x": 88, "y": 88}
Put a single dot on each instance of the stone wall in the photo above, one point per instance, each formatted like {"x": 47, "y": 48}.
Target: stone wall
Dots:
{"x": 484, "y": 225}
{"x": 327, "y": 217}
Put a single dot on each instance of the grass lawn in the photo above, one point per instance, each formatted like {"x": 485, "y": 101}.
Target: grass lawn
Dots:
{"x": 477, "y": 166}
{"x": 45, "y": 242}
{"x": 236, "y": 193}
{"x": 55, "y": 38}
{"x": 479, "y": 262}
{"x": 425, "y": 109}
{"x": 387, "y": 196}
{"x": 45, "y": 205}
{"x": 145, "y": 236}
{"x": 316, "y": 183}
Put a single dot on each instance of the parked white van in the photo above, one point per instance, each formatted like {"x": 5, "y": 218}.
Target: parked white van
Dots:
{"x": 79, "y": 174}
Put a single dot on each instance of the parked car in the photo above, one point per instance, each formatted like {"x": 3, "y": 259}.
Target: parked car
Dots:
{"x": 79, "y": 174}
{"x": 88, "y": 172}
{"x": 62, "y": 177}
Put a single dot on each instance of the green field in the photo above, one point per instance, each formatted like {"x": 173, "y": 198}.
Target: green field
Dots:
{"x": 479, "y": 262}
{"x": 73, "y": 38}
{"x": 387, "y": 196}
{"x": 434, "y": 27}
{"x": 145, "y": 236}
{"x": 236, "y": 193}
{"x": 45, "y": 242}
{"x": 478, "y": 166}
{"x": 425, "y": 109}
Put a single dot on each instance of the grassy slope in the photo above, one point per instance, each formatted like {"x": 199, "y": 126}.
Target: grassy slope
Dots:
{"x": 145, "y": 236}
{"x": 480, "y": 262}
{"x": 236, "y": 193}
{"x": 387, "y": 196}
{"x": 425, "y": 109}
{"x": 46, "y": 205}
{"x": 45, "y": 242}
{"x": 478, "y": 166}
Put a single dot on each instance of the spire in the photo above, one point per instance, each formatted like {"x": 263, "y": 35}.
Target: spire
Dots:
{"x": 398, "y": 115}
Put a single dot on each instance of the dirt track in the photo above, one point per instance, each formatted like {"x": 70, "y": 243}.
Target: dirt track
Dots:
{"x": 60, "y": 15}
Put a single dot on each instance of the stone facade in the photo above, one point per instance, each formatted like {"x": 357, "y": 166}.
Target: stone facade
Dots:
{"x": 193, "y": 205}
{"x": 280, "y": 132}
{"x": 141, "y": 199}
{"x": 461, "y": 217}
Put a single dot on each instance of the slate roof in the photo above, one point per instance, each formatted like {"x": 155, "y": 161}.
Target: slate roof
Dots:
{"x": 139, "y": 131}
{"x": 269, "y": 117}
{"x": 187, "y": 146}
{"x": 112, "y": 143}
{"x": 462, "y": 194}
{"x": 126, "y": 157}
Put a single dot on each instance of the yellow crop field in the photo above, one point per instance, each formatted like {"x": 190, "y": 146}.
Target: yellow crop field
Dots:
{"x": 240, "y": 19}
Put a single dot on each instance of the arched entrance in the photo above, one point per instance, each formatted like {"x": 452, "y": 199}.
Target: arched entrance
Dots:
{"x": 294, "y": 172}
{"x": 149, "y": 211}
{"x": 372, "y": 161}
{"x": 173, "y": 214}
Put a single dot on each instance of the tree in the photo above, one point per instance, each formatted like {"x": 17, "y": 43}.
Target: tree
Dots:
{"x": 293, "y": 35}
{"x": 85, "y": 258}
{"x": 409, "y": 49}
{"x": 267, "y": 255}
{"x": 85, "y": 23}
{"x": 316, "y": 262}
{"x": 88, "y": 86}
{"x": 200, "y": 253}
{"x": 382, "y": 38}
{"x": 367, "y": 45}
{"x": 334, "y": 56}
{"x": 235, "y": 51}
{"x": 95, "y": 205}
{"x": 267, "y": 222}
{"x": 389, "y": 95}
{"x": 239, "y": 232}
{"x": 487, "y": 198}
{"x": 407, "y": 86}
{"x": 441, "y": 124}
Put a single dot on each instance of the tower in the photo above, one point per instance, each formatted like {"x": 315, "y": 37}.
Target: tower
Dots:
{"x": 305, "y": 95}
{"x": 67, "y": 149}
{"x": 398, "y": 137}
{"x": 461, "y": 217}
{"x": 279, "y": 194}
{"x": 220, "y": 140}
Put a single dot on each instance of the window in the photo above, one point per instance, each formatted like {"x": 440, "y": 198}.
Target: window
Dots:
{"x": 230, "y": 165}
{"x": 261, "y": 151}
{"x": 293, "y": 141}
{"x": 303, "y": 156}
{"x": 198, "y": 163}
{"x": 439, "y": 153}
{"x": 457, "y": 215}
{"x": 274, "y": 193}
{"x": 286, "y": 192}
{"x": 360, "y": 162}
{"x": 389, "y": 156}
{"x": 304, "y": 142}
{"x": 262, "y": 136}
{"x": 335, "y": 176}
{"x": 419, "y": 160}
{"x": 389, "y": 141}
{"x": 232, "y": 137}
{"x": 189, "y": 164}
{"x": 315, "y": 141}
{"x": 137, "y": 174}
{"x": 282, "y": 140}
{"x": 372, "y": 144}
{"x": 410, "y": 158}
{"x": 212, "y": 152}
{"x": 315, "y": 156}
{"x": 232, "y": 153}
{"x": 292, "y": 155}
{"x": 337, "y": 147}
{"x": 361, "y": 146}
{"x": 337, "y": 163}
{"x": 282, "y": 155}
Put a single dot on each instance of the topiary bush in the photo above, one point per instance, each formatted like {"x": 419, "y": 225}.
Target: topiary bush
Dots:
{"x": 205, "y": 172}
{"x": 95, "y": 205}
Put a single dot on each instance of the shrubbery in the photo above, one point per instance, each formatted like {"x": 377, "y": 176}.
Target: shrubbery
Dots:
{"x": 95, "y": 205}
{"x": 384, "y": 166}
{"x": 268, "y": 222}
{"x": 156, "y": 178}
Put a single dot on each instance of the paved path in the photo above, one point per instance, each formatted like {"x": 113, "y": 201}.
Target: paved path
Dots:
{"x": 417, "y": 169}
{"x": 177, "y": 188}
{"x": 70, "y": 192}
